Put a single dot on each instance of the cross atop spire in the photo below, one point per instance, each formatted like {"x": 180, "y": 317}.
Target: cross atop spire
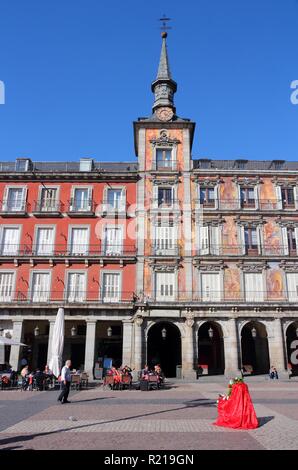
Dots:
{"x": 164, "y": 86}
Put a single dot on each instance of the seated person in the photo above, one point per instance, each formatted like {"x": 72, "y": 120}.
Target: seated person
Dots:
{"x": 116, "y": 374}
{"x": 145, "y": 372}
{"x": 159, "y": 373}
{"x": 47, "y": 370}
{"x": 39, "y": 379}
{"x": 126, "y": 370}
{"x": 273, "y": 373}
{"x": 25, "y": 377}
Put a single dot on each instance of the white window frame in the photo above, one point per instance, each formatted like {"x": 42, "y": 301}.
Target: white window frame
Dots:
{"x": 66, "y": 293}
{"x": 291, "y": 298}
{"x": 41, "y": 188}
{"x": 263, "y": 287}
{"x": 123, "y": 197}
{"x": 175, "y": 284}
{"x": 102, "y": 287}
{"x": 216, "y": 195}
{"x": 205, "y": 234}
{"x": 2, "y": 228}
{"x": 173, "y": 188}
{"x": 173, "y": 150}
{"x": 36, "y": 229}
{"x": 213, "y": 298}
{"x": 24, "y": 198}
{"x": 103, "y": 238}
{"x": 31, "y": 276}
{"x": 89, "y": 198}
{"x": 158, "y": 249}
{"x": 69, "y": 239}
{"x": 14, "y": 273}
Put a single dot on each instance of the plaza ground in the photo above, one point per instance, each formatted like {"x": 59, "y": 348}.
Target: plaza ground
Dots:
{"x": 178, "y": 417}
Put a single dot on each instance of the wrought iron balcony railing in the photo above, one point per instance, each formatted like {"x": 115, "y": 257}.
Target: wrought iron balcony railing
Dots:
{"x": 13, "y": 207}
{"x": 76, "y": 250}
{"x": 164, "y": 165}
{"x": 164, "y": 249}
{"x": 47, "y": 297}
{"x": 238, "y": 204}
{"x": 242, "y": 250}
{"x": 47, "y": 206}
{"x": 85, "y": 206}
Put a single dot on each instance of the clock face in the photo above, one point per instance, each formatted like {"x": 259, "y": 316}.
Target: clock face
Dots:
{"x": 164, "y": 114}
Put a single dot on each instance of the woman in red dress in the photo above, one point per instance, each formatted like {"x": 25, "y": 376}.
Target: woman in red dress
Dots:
{"x": 237, "y": 411}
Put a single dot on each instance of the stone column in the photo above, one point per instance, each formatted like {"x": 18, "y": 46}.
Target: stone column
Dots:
{"x": 231, "y": 348}
{"x": 276, "y": 345}
{"x": 138, "y": 336}
{"x": 127, "y": 342}
{"x": 15, "y": 350}
{"x": 51, "y": 329}
{"x": 188, "y": 371}
{"x": 90, "y": 347}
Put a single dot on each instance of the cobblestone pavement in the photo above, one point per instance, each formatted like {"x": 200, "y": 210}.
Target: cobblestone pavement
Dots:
{"x": 180, "y": 417}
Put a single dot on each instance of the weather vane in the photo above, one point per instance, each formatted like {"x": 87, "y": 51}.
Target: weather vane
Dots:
{"x": 165, "y": 27}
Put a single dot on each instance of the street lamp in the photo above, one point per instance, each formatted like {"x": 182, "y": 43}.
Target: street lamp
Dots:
{"x": 109, "y": 331}
{"x": 73, "y": 331}
{"x": 253, "y": 332}
{"x": 36, "y": 331}
{"x": 163, "y": 333}
{"x": 210, "y": 332}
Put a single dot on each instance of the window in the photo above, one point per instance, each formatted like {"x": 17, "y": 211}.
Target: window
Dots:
{"x": 113, "y": 241}
{"x": 165, "y": 242}
{"x": 76, "y": 287}
{"x": 210, "y": 287}
{"x": 48, "y": 200}
{"x": 251, "y": 240}
{"x": 6, "y": 286}
{"x": 111, "y": 287}
{"x": 115, "y": 199}
{"x": 253, "y": 285}
{"x": 209, "y": 240}
{"x": 44, "y": 241}
{"x": 86, "y": 164}
{"x": 292, "y": 283}
{"x": 290, "y": 240}
{"x": 10, "y": 237}
{"x": 287, "y": 196}
{"x": 23, "y": 164}
{"x": 165, "y": 286}
{"x": 207, "y": 197}
{"x": 164, "y": 158}
{"x": 81, "y": 200}
{"x": 165, "y": 197}
{"x": 40, "y": 290}
{"x": 79, "y": 241}
{"x": 15, "y": 200}
{"x": 247, "y": 197}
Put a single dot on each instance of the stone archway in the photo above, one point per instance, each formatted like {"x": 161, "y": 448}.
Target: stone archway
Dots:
{"x": 164, "y": 347}
{"x": 210, "y": 349}
{"x": 292, "y": 346}
{"x": 254, "y": 347}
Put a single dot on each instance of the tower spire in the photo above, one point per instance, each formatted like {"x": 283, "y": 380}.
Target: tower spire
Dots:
{"x": 164, "y": 86}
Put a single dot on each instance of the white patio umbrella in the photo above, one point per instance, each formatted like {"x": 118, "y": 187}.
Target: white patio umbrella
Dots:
{"x": 10, "y": 342}
{"x": 57, "y": 343}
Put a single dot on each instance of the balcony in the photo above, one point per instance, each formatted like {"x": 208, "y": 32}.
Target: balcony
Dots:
{"x": 165, "y": 249}
{"x": 62, "y": 251}
{"x": 115, "y": 209}
{"x": 81, "y": 208}
{"x": 164, "y": 205}
{"x": 13, "y": 208}
{"x": 165, "y": 166}
{"x": 240, "y": 204}
{"x": 78, "y": 298}
{"x": 47, "y": 208}
{"x": 241, "y": 250}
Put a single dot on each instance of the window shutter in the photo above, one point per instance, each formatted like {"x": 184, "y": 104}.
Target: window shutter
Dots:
{"x": 79, "y": 241}
{"x": 260, "y": 239}
{"x": 215, "y": 242}
{"x": 285, "y": 241}
{"x": 10, "y": 241}
{"x": 296, "y": 236}
{"x": 40, "y": 287}
{"x": 278, "y": 197}
{"x": 45, "y": 239}
{"x": 6, "y": 284}
{"x": 216, "y": 201}
{"x": 203, "y": 240}
{"x": 256, "y": 196}
{"x": 241, "y": 240}
{"x": 292, "y": 284}
{"x": 253, "y": 287}
{"x": 296, "y": 196}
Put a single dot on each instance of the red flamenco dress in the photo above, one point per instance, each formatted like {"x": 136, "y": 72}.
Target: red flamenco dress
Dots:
{"x": 238, "y": 411}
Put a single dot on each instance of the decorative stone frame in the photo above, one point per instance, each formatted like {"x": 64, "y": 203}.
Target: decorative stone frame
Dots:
{"x": 167, "y": 143}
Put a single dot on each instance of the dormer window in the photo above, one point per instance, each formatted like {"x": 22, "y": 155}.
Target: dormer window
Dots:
{"x": 23, "y": 164}
{"x": 86, "y": 164}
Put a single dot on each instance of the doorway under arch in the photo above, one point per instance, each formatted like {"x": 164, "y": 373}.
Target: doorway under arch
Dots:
{"x": 164, "y": 347}
{"x": 211, "y": 349}
{"x": 254, "y": 347}
{"x": 292, "y": 346}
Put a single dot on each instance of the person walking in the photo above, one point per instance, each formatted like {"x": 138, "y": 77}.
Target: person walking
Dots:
{"x": 65, "y": 382}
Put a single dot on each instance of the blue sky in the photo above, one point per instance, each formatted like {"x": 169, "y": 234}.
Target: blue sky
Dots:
{"x": 78, "y": 72}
